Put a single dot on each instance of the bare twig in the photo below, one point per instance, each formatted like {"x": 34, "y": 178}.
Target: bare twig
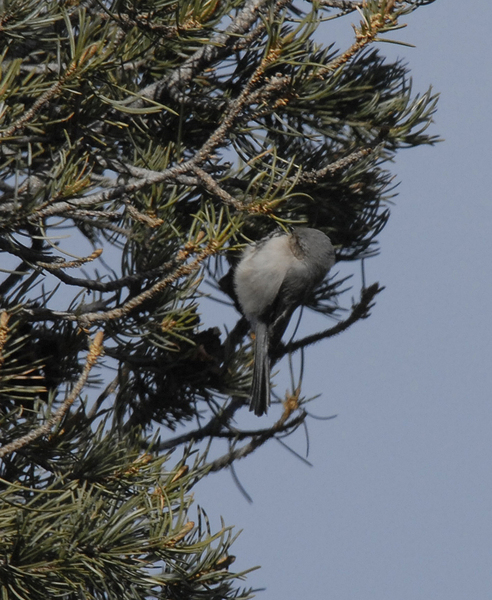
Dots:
{"x": 359, "y": 311}
{"x": 282, "y": 425}
{"x": 340, "y": 164}
{"x": 49, "y": 264}
{"x": 345, "y": 5}
{"x": 4, "y": 331}
{"x": 364, "y": 35}
{"x": 219, "y": 427}
{"x": 185, "y": 269}
{"x": 72, "y": 264}
{"x": 214, "y": 188}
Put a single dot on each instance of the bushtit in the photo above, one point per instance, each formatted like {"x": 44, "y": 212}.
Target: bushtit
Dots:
{"x": 271, "y": 280}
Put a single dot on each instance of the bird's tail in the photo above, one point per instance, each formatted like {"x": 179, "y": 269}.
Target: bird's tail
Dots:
{"x": 260, "y": 391}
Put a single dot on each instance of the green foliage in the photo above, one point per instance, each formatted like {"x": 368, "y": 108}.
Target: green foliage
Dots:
{"x": 107, "y": 521}
{"x": 141, "y": 145}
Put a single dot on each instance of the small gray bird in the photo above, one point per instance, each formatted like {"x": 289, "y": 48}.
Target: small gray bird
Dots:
{"x": 273, "y": 278}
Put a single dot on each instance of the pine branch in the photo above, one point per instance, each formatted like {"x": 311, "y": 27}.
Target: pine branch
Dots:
{"x": 95, "y": 351}
{"x": 54, "y": 90}
{"x": 221, "y": 46}
{"x": 161, "y": 136}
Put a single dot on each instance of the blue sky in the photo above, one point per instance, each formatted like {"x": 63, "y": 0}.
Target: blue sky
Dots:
{"x": 398, "y": 504}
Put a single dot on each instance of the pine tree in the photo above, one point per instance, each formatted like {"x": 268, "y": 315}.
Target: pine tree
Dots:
{"x": 143, "y": 143}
